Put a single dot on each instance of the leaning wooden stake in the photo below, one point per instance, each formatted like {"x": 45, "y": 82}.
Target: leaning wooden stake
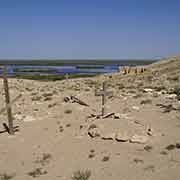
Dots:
{"x": 7, "y": 98}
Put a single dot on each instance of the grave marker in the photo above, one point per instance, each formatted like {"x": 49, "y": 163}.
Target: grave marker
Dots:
{"x": 104, "y": 93}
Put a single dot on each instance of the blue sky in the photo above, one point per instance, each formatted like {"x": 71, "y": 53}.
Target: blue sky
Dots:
{"x": 78, "y": 29}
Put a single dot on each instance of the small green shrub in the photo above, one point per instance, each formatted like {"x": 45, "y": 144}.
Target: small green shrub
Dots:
{"x": 81, "y": 175}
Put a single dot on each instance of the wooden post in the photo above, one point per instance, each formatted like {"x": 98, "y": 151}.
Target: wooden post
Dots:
{"x": 7, "y": 99}
{"x": 67, "y": 76}
{"x": 103, "y": 93}
{"x": 103, "y": 98}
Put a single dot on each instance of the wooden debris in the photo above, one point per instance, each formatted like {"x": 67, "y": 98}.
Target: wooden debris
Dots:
{"x": 168, "y": 108}
{"x": 73, "y": 99}
{"x": 76, "y": 100}
{"x": 7, "y": 128}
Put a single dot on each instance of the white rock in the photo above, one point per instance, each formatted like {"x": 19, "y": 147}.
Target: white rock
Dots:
{"x": 136, "y": 108}
{"x": 148, "y": 90}
{"x": 119, "y": 116}
{"x": 122, "y": 137}
{"x": 110, "y": 136}
{"x": 95, "y": 132}
{"x": 171, "y": 96}
{"x": 140, "y": 139}
{"x": 19, "y": 117}
{"x": 29, "y": 119}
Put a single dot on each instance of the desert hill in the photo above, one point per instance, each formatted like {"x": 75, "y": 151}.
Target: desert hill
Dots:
{"x": 62, "y": 131}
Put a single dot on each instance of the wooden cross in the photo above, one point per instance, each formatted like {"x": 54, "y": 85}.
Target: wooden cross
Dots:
{"x": 7, "y": 99}
{"x": 67, "y": 76}
{"x": 103, "y": 93}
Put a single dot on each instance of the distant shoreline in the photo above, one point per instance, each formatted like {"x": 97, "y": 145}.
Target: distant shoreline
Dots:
{"x": 63, "y": 62}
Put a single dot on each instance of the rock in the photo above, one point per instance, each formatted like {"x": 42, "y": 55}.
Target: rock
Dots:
{"x": 178, "y": 145}
{"x": 146, "y": 101}
{"x": 136, "y": 108}
{"x": 148, "y": 148}
{"x": 119, "y": 116}
{"x": 29, "y": 119}
{"x": 95, "y": 132}
{"x": 122, "y": 137}
{"x": 110, "y": 136}
{"x": 140, "y": 139}
{"x": 148, "y": 90}
{"x": 18, "y": 117}
{"x": 149, "y": 132}
{"x": 171, "y": 96}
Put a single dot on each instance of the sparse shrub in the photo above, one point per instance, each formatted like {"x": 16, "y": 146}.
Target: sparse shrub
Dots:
{"x": 81, "y": 175}
{"x": 105, "y": 158}
{"x": 176, "y": 90}
{"x": 47, "y": 98}
{"x": 91, "y": 155}
{"x": 44, "y": 159}
{"x": 146, "y": 101}
{"x": 68, "y": 125}
{"x": 36, "y": 98}
{"x": 120, "y": 86}
{"x": 68, "y": 111}
{"x": 139, "y": 95}
{"x": 92, "y": 126}
{"x": 37, "y": 172}
{"x": 6, "y": 176}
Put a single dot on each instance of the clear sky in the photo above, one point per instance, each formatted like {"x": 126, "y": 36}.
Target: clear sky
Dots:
{"x": 76, "y": 29}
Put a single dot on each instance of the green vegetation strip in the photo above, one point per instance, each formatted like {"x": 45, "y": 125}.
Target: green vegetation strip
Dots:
{"x": 65, "y": 62}
{"x": 48, "y": 77}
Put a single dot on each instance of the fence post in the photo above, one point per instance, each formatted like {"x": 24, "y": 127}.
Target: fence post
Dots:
{"x": 7, "y": 100}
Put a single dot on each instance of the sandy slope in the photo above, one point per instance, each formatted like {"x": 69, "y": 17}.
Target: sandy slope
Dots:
{"x": 54, "y": 136}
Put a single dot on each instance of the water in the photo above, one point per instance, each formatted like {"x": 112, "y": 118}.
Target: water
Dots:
{"x": 66, "y": 69}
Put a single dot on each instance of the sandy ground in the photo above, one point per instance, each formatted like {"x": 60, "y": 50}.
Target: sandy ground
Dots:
{"x": 53, "y": 140}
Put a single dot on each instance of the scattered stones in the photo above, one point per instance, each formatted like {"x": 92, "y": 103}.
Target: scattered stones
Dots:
{"x": 140, "y": 139}
{"x": 93, "y": 131}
